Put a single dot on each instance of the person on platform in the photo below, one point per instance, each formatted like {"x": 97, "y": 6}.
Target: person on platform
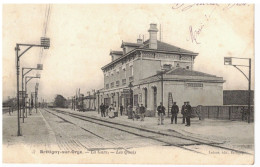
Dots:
{"x": 102, "y": 109}
{"x": 188, "y": 113}
{"x": 111, "y": 111}
{"x": 9, "y": 110}
{"x": 136, "y": 112}
{"x": 121, "y": 109}
{"x": 142, "y": 112}
{"x": 183, "y": 109}
{"x": 174, "y": 112}
{"x": 161, "y": 113}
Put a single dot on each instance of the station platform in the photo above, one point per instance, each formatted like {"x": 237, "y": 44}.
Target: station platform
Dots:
{"x": 232, "y": 134}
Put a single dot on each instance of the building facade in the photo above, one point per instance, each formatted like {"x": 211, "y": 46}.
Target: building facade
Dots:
{"x": 150, "y": 72}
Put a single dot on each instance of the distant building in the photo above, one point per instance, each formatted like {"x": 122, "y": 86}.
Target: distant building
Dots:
{"x": 155, "y": 69}
{"x": 237, "y": 97}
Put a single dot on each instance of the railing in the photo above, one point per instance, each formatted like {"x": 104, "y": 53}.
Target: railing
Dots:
{"x": 238, "y": 112}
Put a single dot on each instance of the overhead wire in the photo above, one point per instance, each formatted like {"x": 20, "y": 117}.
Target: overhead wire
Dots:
{"x": 45, "y": 28}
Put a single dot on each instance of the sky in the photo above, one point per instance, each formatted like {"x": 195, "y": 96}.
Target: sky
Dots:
{"x": 82, "y": 36}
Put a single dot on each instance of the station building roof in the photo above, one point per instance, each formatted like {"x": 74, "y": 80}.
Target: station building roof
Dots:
{"x": 181, "y": 74}
{"x": 161, "y": 47}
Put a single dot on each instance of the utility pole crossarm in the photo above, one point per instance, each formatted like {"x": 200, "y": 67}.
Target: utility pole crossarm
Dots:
{"x": 26, "y": 72}
{"x": 24, "y": 51}
{"x": 28, "y": 80}
{"x": 241, "y": 71}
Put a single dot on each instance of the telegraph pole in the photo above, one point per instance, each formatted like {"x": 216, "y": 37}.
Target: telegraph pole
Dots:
{"x": 228, "y": 61}
{"x": 249, "y": 92}
{"x": 18, "y": 103}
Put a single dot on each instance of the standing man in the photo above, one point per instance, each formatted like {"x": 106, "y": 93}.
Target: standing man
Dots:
{"x": 174, "y": 111}
{"x": 9, "y": 110}
{"x": 161, "y": 113}
{"x": 102, "y": 109}
{"x": 188, "y": 114}
{"x": 121, "y": 109}
{"x": 183, "y": 108}
{"x": 142, "y": 111}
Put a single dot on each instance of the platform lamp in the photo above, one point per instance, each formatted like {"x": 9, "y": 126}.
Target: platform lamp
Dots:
{"x": 228, "y": 61}
{"x": 131, "y": 93}
{"x": 39, "y": 67}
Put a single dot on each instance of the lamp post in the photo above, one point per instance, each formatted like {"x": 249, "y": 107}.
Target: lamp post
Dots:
{"x": 131, "y": 93}
{"x": 228, "y": 61}
{"x": 36, "y": 96}
{"x": 74, "y": 103}
{"x": 98, "y": 101}
{"x": 26, "y": 81}
{"x": 45, "y": 43}
{"x": 39, "y": 67}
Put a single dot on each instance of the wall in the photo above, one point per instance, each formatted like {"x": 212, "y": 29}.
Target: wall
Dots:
{"x": 209, "y": 94}
{"x": 237, "y": 97}
{"x": 145, "y": 68}
{"x": 236, "y": 113}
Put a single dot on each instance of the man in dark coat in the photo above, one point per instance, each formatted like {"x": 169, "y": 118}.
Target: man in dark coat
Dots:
{"x": 183, "y": 110}
{"x": 188, "y": 114}
{"x": 142, "y": 112}
{"x": 161, "y": 113}
{"x": 102, "y": 108}
{"x": 174, "y": 112}
{"x": 121, "y": 109}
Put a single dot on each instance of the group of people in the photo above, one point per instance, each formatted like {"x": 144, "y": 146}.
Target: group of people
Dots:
{"x": 139, "y": 112}
{"x": 105, "y": 109}
{"x": 185, "y": 111}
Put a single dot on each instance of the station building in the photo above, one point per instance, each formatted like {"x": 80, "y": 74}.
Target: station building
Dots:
{"x": 149, "y": 72}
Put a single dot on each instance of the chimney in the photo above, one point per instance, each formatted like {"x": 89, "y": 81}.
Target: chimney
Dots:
{"x": 139, "y": 41}
{"x": 153, "y": 36}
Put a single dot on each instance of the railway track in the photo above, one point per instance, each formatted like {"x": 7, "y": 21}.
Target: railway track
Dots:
{"x": 187, "y": 143}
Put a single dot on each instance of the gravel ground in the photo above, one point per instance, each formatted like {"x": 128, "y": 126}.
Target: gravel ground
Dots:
{"x": 44, "y": 132}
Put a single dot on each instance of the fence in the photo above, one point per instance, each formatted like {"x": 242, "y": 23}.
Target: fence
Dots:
{"x": 223, "y": 112}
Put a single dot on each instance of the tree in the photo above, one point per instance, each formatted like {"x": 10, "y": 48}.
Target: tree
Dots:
{"x": 60, "y": 101}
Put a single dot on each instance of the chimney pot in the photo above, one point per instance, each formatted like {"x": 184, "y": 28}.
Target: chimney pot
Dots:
{"x": 139, "y": 41}
{"x": 153, "y": 36}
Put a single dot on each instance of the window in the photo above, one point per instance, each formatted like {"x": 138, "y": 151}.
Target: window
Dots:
{"x": 125, "y": 73}
{"x": 123, "y": 81}
{"x": 187, "y": 67}
{"x": 131, "y": 79}
{"x": 135, "y": 100}
{"x": 167, "y": 66}
{"x": 107, "y": 86}
{"x": 117, "y": 83}
{"x": 112, "y": 85}
{"x": 194, "y": 84}
{"x": 131, "y": 71}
